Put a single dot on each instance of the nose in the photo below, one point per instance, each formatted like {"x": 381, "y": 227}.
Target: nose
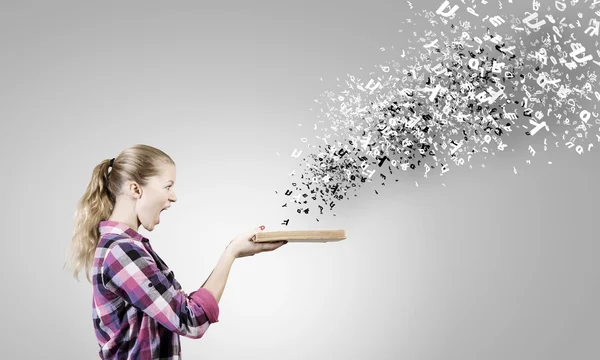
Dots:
{"x": 173, "y": 198}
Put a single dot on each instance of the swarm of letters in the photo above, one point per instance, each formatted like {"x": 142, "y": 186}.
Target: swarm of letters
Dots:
{"x": 466, "y": 84}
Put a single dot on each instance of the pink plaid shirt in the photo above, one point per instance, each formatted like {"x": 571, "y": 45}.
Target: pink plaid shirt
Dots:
{"x": 138, "y": 308}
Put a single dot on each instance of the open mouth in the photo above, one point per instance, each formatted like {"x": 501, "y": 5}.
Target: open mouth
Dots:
{"x": 158, "y": 220}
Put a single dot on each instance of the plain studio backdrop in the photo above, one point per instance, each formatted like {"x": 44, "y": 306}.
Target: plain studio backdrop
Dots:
{"x": 493, "y": 265}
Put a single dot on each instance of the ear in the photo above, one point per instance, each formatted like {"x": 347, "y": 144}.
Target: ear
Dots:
{"x": 135, "y": 190}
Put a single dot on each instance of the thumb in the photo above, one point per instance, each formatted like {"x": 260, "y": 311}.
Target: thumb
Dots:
{"x": 256, "y": 230}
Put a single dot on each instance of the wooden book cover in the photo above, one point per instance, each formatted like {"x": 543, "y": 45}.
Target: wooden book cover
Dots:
{"x": 300, "y": 236}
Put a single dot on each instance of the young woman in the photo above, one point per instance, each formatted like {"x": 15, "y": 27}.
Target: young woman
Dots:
{"x": 139, "y": 309}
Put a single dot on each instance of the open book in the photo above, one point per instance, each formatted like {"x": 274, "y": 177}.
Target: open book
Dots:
{"x": 300, "y": 236}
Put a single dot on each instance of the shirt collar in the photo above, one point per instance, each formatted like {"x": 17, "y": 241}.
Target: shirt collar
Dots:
{"x": 115, "y": 227}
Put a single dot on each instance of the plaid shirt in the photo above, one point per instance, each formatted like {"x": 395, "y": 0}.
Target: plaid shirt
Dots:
{"x": 138, "y": 308}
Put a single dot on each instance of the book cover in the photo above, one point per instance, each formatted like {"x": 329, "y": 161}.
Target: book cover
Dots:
{"x": 300, "y": 236}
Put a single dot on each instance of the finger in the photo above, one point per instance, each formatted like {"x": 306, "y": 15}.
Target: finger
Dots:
{"x": 278, "y": 244}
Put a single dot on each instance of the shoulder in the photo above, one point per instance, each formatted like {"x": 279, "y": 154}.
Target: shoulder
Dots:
{"x": 122, "y": 251}
{"x": 125, "y": 263}
{"x": 115, "y": 242}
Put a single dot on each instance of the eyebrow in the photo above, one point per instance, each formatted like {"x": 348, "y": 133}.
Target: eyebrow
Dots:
{"x": 170, "y": 181}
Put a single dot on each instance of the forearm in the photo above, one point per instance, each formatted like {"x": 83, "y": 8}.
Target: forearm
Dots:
{"x": 218, "y": 277}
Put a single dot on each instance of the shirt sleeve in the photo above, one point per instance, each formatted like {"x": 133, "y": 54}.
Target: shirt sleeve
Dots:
{"x": 131, "y": 273}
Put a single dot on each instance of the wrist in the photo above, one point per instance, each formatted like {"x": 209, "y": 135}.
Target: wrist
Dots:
{"x": 229, "y": 252}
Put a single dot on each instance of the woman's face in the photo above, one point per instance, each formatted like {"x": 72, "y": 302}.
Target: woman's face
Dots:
{"x": 156, "y": 196}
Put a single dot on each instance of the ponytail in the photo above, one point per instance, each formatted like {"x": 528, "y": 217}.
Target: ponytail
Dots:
{"x": 94, "y": 206}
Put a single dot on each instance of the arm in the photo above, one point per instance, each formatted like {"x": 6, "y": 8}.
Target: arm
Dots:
{"x": 131, "y": 273}
{"x": 218, "y": 277}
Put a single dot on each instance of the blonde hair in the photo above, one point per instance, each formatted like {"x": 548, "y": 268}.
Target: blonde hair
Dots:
{"x": 136, "y": 163}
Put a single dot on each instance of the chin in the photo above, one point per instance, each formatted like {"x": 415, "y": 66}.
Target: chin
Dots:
{"x": 150, "y": 227}
{"x": 152, "y": 223}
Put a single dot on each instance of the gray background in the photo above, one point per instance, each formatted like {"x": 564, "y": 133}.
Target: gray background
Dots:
{"x": 493, "y": 265}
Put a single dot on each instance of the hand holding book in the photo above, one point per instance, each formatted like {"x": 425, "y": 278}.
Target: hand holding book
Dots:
{"x": 257, "y": 241}
{"x": 242, "y": 245}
